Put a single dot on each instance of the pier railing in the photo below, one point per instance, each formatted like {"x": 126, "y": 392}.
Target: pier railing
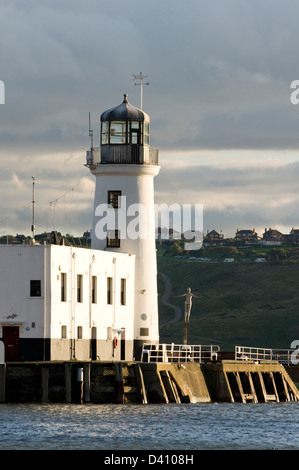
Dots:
{"x": 205, "y": 353}
{"x": 179, "y": 353}
{"x": 283, "y": 356}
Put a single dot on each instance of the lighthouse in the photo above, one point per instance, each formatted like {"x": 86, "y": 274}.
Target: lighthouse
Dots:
{"x": 124, "y": 218}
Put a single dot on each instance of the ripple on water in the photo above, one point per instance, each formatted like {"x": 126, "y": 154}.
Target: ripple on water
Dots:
{"x": 115, "y": 427}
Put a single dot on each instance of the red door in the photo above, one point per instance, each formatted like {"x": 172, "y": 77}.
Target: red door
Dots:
{"x": 11, "y": 343}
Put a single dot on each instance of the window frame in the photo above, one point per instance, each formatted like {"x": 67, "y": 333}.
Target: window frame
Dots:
{"x": 63, "y": 332}
{"x": 123, "y": 291}
{"x": 114, "y": 198}
{"x": 94, "y": 290}
{"x": 113, "y": 241}
{"x": 80, "y": 288}
{"x": 63, "y": 287}
{"x": 109, "y": 290}
{"x": 35, "y": 288}
{"x": 111, "y": 134}
{"x": 115, "y": 134}
{"x": 79, "y": 332}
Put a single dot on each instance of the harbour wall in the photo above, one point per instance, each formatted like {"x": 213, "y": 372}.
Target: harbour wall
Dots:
{"x": 139, "y": 382}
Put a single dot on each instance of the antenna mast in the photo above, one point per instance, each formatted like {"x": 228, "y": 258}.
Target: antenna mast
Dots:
{"x": 33, "y": 202}
{"x": 140, "y": 78}
{"x": 89, "y": 153}
{"x": 90, "y": 134}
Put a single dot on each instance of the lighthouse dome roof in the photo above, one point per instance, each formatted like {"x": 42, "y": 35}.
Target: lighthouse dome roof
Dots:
{"x": 124, "y": 112}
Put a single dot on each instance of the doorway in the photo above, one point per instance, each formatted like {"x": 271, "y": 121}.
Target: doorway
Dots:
{"x": 123, "y": 345}
{"x": 93, "y": 344}
{"x": 10, "y": 338}
{"x": 135, "y": 144}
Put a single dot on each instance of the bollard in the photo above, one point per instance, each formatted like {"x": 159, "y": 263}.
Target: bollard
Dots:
{"x": 80, "y": 374}
{"x": 80, "y": 383}
{"x": 2, "y": 372}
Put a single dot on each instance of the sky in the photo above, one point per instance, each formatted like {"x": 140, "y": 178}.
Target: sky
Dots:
{"x": 219, "y": 99}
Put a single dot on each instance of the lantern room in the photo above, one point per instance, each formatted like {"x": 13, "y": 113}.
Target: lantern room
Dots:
{"x": 125, "y": 137}
{"x": 125, "y": 124}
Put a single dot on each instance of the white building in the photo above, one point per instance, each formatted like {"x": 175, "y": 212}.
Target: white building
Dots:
{"x": 62, "y": 303}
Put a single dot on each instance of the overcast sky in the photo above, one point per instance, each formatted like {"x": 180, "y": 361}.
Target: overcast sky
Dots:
{"x": 220, "y": 74}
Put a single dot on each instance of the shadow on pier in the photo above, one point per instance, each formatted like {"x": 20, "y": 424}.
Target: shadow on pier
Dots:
{"x": 140, "y": 382}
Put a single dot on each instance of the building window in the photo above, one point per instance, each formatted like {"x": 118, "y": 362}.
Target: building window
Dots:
{"x": 63, "y": 331}
{"x": 94, "y": 290}
{"x": 79, "y": 332}
{"x": 144, "y": 331}
{"x": 113, "y": 240}
{"x": 135, "y": 133}
{"x": 35, "y": 288}
{"x": 118, "y": 132}
{"x": 146, "y": 133}
{"x": 109, "y": 290}
{"x": 79, "y": 288}
{"x": 105, "y": 132}
{"x": 63, "y": 287}
{"x": 123, "y": 291}
{"x": 114, "y": 199}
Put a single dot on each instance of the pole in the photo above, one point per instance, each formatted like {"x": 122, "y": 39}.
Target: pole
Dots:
{"x": 141, "y": 85}
{"x": 140, "y": 77}
{"x": 33, "y": 202}
{"x": 186, "y": 331}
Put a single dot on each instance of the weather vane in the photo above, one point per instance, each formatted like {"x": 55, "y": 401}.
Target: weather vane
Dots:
{"x": 140, "y": 79}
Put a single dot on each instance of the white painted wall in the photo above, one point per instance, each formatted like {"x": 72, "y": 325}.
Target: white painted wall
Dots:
{"x": 21, "y": 263}
{"x": 18, "y": 265}
{"x": 136, "y": 183}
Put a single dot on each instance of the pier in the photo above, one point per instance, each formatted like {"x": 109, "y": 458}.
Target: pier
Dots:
{"x": 158, "y": 380}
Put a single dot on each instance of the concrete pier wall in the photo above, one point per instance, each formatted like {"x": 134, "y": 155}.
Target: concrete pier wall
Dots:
{"x": 236, "y": 381}
{"x": 132, "y": 382}
{"x": 175, "y": 382}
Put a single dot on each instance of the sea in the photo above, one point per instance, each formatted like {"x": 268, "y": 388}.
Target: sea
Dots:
{"x": 175, "y": 429}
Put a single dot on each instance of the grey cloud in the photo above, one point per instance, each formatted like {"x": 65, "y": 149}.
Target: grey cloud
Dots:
{"x": 254, "y": 196}
{"x": 253, "y": 179}
{"x": 219, "y": 74}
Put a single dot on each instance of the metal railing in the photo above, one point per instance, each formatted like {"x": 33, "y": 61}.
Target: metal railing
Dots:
{"x": 153, "y": 156}
{"x": 123, "y": 154}
{"x": 244, "y": 353}
{"x": 179, "y": 353}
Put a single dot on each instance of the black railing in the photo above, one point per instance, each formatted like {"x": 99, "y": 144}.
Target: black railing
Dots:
{"x": 128, "y": 154}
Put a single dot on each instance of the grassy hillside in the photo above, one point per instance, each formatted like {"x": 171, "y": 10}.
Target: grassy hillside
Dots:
{"x": 247, "y": 304}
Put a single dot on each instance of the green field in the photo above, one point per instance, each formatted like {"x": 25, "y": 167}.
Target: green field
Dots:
{"x": 246, "y": 304}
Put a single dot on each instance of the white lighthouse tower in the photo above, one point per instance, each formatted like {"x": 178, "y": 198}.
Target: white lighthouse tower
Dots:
{"x": 124, "y": 221}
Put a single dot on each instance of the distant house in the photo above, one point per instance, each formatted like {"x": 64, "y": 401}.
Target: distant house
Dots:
{"x": 213, "y": 238}
{"x": 272, "y": 237}
{"x": 293, "y": 237}
{"x": 246, "y": 235}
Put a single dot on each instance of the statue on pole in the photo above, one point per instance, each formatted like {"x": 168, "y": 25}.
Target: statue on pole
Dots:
{"x": 188, "y": 305}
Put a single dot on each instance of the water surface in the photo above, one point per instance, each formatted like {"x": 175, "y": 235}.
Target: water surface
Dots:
{"x": 149, "y": 427}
